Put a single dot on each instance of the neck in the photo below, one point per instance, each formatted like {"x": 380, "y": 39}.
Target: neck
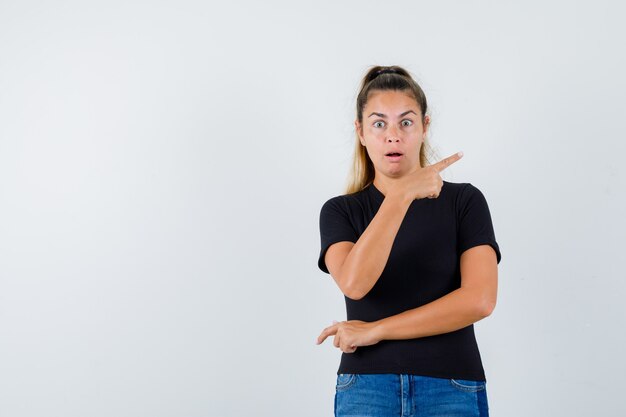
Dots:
{"x": 383, "y": 183}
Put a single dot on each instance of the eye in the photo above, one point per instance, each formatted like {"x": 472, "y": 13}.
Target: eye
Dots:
{"x": 407, "y": 122}
{"x": 379, "y": 123}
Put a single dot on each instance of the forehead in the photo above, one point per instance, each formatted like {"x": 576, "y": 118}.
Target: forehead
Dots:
{"x": 391, "y": 100}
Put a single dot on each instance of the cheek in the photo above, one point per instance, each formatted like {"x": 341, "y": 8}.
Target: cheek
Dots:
{"x": 372, "y": 133}
{"x": 414, "y": 131}
{"x": 369, "y": 134}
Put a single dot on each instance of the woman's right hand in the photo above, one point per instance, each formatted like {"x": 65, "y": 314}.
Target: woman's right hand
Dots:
{"x": 423, "y": 182}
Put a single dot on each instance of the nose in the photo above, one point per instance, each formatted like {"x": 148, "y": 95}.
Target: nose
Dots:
{"x": 392, "y": 135}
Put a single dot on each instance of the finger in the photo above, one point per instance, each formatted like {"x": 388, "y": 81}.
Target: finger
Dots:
{"x": 322, "y": 337}
{"x": 445, "y": 163}
{"x": 325, "y": 333}
{"x": 348, "y": 348}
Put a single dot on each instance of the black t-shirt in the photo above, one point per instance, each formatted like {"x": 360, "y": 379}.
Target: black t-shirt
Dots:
{"x": 423, "y": 265}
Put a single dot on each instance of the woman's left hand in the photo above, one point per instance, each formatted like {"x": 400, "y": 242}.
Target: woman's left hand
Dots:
{"x": 351, "y": 334}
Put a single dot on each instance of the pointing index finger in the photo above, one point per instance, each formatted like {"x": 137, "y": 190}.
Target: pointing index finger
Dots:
{"x": 329, "y": 331}
{"x": 445, "y": 163}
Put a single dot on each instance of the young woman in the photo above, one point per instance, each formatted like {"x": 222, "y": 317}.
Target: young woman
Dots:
{"x": 416, "y": 258}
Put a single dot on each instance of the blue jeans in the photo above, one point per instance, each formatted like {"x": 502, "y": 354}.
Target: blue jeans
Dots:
{"x": 383, "y": 395}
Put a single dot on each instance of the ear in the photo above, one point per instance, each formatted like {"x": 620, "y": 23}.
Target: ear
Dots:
{"x": 359, "y": 131}
{"x": 426, "y": 124}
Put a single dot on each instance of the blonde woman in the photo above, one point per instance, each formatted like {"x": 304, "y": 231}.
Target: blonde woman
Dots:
{"x": 416, "y": 258}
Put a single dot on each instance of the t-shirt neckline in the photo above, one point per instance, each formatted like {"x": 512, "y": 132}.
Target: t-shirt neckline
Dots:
{"x": 379, "y": 196}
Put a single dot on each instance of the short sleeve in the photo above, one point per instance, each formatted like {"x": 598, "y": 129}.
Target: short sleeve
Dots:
{"x": 474, "y": 221}
{"x": 335, "y": 226}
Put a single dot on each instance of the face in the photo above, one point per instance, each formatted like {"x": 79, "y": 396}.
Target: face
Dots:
{"x": 392, "y": 122}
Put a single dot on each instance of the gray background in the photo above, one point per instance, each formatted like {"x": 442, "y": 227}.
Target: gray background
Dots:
{"x": 163, "y": 164}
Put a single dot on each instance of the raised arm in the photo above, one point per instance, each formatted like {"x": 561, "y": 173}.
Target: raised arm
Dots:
{"x": 356, "y": 267}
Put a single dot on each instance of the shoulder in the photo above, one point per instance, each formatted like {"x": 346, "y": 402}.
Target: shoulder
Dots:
{"x": 457, "y": 187}
{"x": 465, "y": 196}
{"x": 462, "y": 190}
{"x": 455, "y": 190}
{"x": 454, "y": 187}
{"x": 344, "y": 202}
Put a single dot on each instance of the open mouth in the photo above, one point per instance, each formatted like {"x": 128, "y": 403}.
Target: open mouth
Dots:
{"x": 394, "y": 154}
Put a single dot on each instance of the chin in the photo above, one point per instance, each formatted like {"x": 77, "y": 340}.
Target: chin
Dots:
{"x": 396, "y": 172}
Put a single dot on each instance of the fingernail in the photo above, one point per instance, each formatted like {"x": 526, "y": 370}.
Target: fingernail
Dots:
{"x": 460, "y": 153}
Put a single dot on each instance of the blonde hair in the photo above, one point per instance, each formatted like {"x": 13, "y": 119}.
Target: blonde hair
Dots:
{"x": 381, "y": 78}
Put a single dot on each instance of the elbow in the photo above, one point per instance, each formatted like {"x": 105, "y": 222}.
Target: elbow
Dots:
{"x": 483, "y": 301}
{"x": 487, "y": 307}
{"x": 355, "y": 296}
{"x": 351, "y": 292}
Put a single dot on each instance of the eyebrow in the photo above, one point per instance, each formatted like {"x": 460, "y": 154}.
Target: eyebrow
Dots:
{"x": 384, "y": 116}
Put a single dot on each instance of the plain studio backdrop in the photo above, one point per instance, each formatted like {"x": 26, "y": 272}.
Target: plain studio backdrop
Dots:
{"x": 163, "y": 165}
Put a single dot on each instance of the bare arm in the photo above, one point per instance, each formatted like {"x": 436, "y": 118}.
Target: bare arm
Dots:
{"x": 474, "y": 301}
{"x": 357, "y": 266}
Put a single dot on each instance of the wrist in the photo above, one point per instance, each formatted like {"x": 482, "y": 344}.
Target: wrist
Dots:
{"x": 399, "y": 199}
{"x": 379, "y": 330}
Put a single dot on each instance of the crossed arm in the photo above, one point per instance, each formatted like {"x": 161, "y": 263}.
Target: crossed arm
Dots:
{"x": 473, "y": 301}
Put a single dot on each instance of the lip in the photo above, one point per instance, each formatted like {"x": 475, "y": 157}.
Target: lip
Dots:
{"x": 393, "y": 158}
